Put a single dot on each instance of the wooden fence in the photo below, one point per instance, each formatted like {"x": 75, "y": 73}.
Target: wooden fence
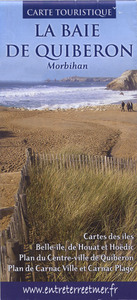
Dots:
{"x": 98, "y": 164}
{"x": 16, "y": 235}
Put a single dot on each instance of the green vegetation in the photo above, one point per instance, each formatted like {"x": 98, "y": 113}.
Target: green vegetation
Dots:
{"x": 64, "y": 204}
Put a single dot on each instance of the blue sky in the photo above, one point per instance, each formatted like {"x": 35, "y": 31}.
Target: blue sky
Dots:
{"x": 16, "y": 30}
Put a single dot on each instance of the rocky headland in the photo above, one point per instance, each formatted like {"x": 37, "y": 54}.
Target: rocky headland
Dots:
{"x": 126, "y": 82}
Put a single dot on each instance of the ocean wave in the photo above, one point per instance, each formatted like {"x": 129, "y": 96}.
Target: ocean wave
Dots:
{"x": 60, "y": 97}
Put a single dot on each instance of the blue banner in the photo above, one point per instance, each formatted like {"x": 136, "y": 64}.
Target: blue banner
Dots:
{"x": 69, "y": 10}
{"x": 69, "y": 290}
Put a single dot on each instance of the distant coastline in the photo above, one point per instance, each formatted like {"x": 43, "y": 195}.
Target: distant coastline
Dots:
{"x": 79, "y": 79}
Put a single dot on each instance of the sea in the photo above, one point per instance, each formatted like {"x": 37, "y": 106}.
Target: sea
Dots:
{"x": 60, "y": 95}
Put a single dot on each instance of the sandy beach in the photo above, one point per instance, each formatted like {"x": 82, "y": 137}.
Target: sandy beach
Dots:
{"x": 103, "y": 130}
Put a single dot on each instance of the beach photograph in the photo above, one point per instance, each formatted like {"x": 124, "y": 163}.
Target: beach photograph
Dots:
{"x": 73, "y": 146}
{"x": 68, "y": 148}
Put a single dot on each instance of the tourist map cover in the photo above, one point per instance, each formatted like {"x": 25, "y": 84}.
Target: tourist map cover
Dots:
{"x": 68, "y": 149}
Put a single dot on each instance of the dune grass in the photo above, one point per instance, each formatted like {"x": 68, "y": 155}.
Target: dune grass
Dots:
{"x": 64, "y": 204}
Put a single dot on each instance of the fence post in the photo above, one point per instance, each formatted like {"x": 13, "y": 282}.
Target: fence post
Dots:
{"x": 28, "y": 153}
{"x": 23, "y": 203}
{"x": 117, "y": 162}
{"x": 83, "y": 161}
{"x": 60, "y": 161}
{"x": 96, "y": 164}
{"x": 80, "y": 161}
{"x": 69, "y": 161}
{"x": 76, "y": 162}
{"x": 66, "y": 162}
{"x": 105, "y": 163}
{"x": 86, "y": 161}
{"x": 73, "y": 161}
{"x": 89, "y": 159}
{"x": 13, "y": 259}
{"x": 24, "y": 217}
{"x": 135, "y": 163}
{"x": 3, "y": 263}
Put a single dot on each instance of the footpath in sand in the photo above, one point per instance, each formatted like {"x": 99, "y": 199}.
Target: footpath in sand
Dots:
{"x": 97, "y": 131}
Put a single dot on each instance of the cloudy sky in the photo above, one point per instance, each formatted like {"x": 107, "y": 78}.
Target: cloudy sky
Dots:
{"x": 16, "y": 30}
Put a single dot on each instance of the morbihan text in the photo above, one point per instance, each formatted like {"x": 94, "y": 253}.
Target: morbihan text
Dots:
{"x": 65, "y": 66}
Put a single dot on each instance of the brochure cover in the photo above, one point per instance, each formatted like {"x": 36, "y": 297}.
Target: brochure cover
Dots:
{"x": 68, "y": 149}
